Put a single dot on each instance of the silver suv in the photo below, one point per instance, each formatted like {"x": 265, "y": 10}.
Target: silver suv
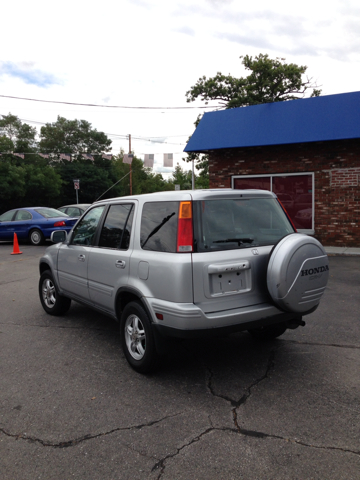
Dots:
{"x": 187, "y": 263}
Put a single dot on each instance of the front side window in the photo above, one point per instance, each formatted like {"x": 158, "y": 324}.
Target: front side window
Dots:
{"x": 84, "y": 232}
{"x": 116, "y": 230}
{"x": 7, "y": 217}
{"x": 239, "y": 223}
{"x": 159, "y": 223}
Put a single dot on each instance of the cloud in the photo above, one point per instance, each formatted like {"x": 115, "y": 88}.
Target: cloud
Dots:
{"x": 26, "y": 72}
{"x": 253, "y": 41}
{"x": 186, "y": 30}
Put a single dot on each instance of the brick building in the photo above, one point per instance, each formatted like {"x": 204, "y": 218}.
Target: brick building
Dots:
{"x": 306, "y": 151}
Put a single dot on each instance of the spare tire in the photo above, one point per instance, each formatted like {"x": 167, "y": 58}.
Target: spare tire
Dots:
{"x": 297, "y": 274}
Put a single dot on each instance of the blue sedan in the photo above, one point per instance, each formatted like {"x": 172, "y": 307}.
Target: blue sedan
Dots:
{"x": 34, "y": 224}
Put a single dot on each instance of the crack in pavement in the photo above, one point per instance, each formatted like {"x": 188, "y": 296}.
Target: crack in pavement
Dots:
{"x": 247, "y": 394}
{"x": 60, "y": 326}
{"x": 161, "y": 463}
{"x": 16, "y": 280}
{"x": 252, "y": 433}
{"x": 248, "y": 433}
{"x": 318, "y": 344}
{"x": 76, "y": 441}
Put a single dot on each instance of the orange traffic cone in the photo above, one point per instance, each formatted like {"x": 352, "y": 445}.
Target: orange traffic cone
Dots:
{"x": 16, "y": 250}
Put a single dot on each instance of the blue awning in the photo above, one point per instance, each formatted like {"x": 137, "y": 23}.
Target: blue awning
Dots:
{"x": 326, "y": 118}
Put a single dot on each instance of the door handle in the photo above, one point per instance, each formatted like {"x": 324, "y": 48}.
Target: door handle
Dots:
{"x": 81, "y": 258}
{"x": 120, "y": 264}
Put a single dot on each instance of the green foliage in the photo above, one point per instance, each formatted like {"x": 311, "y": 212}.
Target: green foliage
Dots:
{"x": 12, "y": 184}
{"x": 26, "y": 139}
{"x": 72, "y": 136}
{"x": 201, "y": 162}
{"x": 6, "y": 145}
{"x": 9, "y": 126}
{"x": 182, "y": 178}
{"x": 38, "y": 181}
{"x": 94, "y": 180}
{"x": 270, "y": 80}
{"x": 22, "y": 137}
{"x": 143, "y": 179}
{"x": 43, "y": 183}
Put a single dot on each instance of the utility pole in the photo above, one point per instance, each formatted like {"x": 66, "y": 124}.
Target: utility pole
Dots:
{"x": 130, "y": 165}
{"x": 193, "y": 176}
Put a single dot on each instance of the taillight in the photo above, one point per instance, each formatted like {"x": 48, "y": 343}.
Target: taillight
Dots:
{"x": 288, "y": 216}
{"x": 185, "y": 237}
{"x": 60, "y": 224}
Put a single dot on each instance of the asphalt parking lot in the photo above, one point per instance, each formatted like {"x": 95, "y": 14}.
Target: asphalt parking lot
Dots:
{"x": 226, "y": 408}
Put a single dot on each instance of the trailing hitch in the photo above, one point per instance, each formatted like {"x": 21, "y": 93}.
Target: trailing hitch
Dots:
{"x": 295, "y": 323}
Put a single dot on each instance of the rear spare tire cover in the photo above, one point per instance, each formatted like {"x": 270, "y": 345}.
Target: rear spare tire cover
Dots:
{"x": 298, "y": 272}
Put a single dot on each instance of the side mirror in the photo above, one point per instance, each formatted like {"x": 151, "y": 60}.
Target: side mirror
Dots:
{"x": 58, "y": 236}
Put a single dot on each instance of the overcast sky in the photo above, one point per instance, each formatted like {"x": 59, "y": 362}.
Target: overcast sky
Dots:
{"x": 148, "y": 53}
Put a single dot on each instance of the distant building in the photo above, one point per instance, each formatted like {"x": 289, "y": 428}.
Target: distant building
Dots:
{"x": 306, "y": 151}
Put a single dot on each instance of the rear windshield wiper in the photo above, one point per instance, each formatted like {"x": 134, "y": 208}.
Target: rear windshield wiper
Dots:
{"x": 239, "y": 241}
{"x": 157, "y": 228}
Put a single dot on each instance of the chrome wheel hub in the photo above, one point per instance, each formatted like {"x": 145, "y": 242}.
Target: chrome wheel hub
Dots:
{"x": 49, "y": 293}
{"x": 135, "y": 337}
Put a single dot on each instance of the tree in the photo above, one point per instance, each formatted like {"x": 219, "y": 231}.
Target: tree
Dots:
{"x": 143, "y": 179}
{"x": 270, "y": 80}
{"x": 9, "y": 126}
{"x": 22, "y": 136}
{"x": 94, "y": 180}
{"x": 72, "y": 137}
{"x": 182, "y": 178}
{"x": 12, "y": 185}
{"x": 6, "y": 145}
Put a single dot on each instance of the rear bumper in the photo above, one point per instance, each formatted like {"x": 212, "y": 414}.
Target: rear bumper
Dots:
{"x": 187, "y": 320}
{"x": 166, "y": 331}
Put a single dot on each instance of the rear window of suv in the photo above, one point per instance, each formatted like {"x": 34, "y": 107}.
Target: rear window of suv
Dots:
{"x": 159, "y": 226}
{"x": 238, "y": 223}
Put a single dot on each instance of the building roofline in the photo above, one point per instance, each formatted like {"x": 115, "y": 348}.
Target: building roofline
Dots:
{"x": 315, "y": 119}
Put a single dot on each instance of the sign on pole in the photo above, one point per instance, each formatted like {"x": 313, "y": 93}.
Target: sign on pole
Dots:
{"x": 77, "y": 187}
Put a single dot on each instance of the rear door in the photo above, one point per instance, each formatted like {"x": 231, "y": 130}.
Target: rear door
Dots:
{"x": 234, "y": 237}
{"x": 109, "y": 262}
{"x": 22, "y": 223}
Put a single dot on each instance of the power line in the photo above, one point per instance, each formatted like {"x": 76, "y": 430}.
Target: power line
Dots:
{"x": 125, "y": 137}
{"x": 104, "y": 106}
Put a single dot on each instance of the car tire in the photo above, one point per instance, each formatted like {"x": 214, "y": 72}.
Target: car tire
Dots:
{"x": 137, "y": 339}
{"x": 36, "y": 237}
{"x": 52, "y": 302}
{"x": 268, "y": 332}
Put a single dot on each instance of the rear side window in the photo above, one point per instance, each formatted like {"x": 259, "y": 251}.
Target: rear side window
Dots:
{"x": 159, "y": 226}
{"x": 23, "y": 215}
{"x": 117, "y": 227}
{"x": 73, "y": 212}
{"x": 239, "y": 223}
{"x": 50, "y": 212}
